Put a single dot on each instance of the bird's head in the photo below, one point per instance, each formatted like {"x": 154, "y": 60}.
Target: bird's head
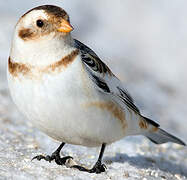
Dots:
{"x": 41, "y": 31}
{"x": 43, "y": 21}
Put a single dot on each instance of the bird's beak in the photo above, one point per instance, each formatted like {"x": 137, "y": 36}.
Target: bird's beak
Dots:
{"x": 65, "y": 27}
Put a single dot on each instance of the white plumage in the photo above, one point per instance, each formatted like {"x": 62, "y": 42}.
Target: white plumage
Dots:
{"x": 66, "y": 91}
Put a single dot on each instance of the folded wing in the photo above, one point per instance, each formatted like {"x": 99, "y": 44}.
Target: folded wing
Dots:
{"x": 103, "y": 78}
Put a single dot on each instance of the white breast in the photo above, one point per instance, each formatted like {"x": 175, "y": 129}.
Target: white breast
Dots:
{"x": 59, "y": 105}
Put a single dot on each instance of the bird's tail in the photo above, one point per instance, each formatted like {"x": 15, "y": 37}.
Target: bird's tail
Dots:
{"x": 158, "y": 135}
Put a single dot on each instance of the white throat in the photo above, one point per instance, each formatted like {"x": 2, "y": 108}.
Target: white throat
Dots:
{"x": 42, "y": 52}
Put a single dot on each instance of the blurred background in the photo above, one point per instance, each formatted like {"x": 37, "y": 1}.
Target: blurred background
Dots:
{"x": 143, "y": 42}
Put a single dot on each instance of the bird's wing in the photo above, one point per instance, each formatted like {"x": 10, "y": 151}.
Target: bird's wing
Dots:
{"x": 103, "y": 78}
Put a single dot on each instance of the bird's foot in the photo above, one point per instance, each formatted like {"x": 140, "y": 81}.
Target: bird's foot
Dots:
{"x": 55, "y": 156}
{"x": 98, "y": 168}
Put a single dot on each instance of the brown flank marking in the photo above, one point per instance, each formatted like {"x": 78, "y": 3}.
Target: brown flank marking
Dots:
{"x": 143, "y": 124}
{"x": 154, "y": 129}
{"x": 27, "y": 70}
{"x": 113, "y": 108}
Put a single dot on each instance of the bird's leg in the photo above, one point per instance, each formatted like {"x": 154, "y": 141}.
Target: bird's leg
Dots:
{"x": 55, "y": 156}
{"x": 98, "y": 167}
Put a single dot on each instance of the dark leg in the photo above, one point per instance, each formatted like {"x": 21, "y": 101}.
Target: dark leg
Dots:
{"x": 55, "y": 156}
{"x": 98, "y": 167}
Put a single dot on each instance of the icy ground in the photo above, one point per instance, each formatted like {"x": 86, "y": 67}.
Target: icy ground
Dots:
{"x": 145, "y": 44}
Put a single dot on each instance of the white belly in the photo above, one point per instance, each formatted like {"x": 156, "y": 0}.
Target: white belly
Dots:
{"x": 58, "y": 104}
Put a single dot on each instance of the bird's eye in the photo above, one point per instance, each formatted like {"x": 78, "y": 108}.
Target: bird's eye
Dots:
{"x": 39, "y": 23}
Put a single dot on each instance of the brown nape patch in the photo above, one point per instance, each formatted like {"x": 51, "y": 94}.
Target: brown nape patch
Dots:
{"x": 32, "y": 72}
{"x": 26, "y": 34}
{"x": 143, "y": 124}
{"x": 18, "y": 68}
{"x": 113, "y": 108}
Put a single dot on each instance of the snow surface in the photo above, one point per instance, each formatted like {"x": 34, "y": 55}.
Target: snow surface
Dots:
{"x": 145, "y": 44}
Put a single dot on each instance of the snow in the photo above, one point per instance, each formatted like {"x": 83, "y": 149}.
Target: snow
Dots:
{"x": 144, "y": 43}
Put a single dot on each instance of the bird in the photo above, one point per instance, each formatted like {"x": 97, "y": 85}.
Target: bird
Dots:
{"x": 68, "y": 92}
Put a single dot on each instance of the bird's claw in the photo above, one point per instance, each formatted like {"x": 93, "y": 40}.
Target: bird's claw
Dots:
{"x": 98, "y": 168}
{"x": 56, "y": 157}
{"x": 39, "y": 157}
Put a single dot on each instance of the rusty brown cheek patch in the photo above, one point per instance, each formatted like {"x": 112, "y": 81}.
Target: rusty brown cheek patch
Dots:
{"x": 31, "y": 71}
{"x": 29, "y": 35}
{"x": 26, "y": 34}
{"x": 114, "y": 109}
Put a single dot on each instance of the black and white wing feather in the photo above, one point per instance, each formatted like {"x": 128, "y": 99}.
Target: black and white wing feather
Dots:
{"x": 102, "y": 76}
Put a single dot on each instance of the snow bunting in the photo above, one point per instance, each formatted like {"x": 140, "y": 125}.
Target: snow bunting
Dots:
{"x": 66, "y": 91}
